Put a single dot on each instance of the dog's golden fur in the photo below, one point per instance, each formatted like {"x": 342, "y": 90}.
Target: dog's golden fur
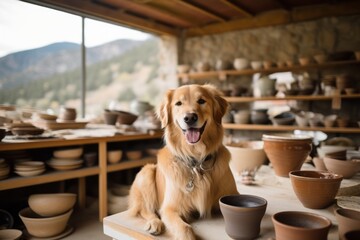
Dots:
{"x": 192, "y": 171}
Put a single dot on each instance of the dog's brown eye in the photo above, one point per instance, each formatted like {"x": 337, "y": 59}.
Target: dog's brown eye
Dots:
{"x": 178, "y": 103}
{"x": 201, "y": 101}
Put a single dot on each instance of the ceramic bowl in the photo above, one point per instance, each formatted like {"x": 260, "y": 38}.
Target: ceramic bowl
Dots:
{"x": 300, "y": 225}
{"x": 287, "y": 152}
{"x": 320, "y": 58}
{"x": 319, "y": 164}
{"x": 304, "y": 61}
{"x": 326, "y": 149}
{"x": 134, "y": 154}
{"x": 348, "y": 220}
{"x": 285, "y": 118}
{"x": 241, "y": 63}
{"x": 315, "y": 189}
{"x": 51, "y": 204}
{"x": 246, "y": 155}
{"x": 67, "y": 114}
{"x": 68, "y": 153}
{"x": 346, "y": 168}
{"x": 352, "y": 235}
{"x": 242, "y": 214}
{"x": 183, "y": 68}
{"x": 44, "y": 227}
{"x": 126, "y": 118}
{"x": 256, "y": 65}
{"x": 114, "y": 156}
{"x": 110, "y": 117}
{"x": 10, "y": 234}
{"x": 45, "y": 116}
{"x": 242, "y": 117}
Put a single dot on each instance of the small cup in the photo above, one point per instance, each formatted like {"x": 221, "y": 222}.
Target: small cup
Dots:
{"x": 242, "y": 215}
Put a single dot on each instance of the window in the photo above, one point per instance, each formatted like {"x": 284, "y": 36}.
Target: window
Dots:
{"x": 40, "y": 61}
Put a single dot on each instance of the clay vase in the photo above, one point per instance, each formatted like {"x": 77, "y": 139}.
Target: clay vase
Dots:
{"x": 315, "y": 189}
{"x": 242, "y": 215}
{"x": 287, "y": 153}
{"x": 300, "y": 225}
{"x": 348, "y": 220}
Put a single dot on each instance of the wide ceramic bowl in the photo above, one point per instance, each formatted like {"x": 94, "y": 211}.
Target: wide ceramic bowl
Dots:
{"x": 348, "y": 220}
{"x": 68, "y": 153}
{"x": 246, "y": 155}
{"x": 346, "y": 168}
{"x": 44, "y": 227}
{"x": 242, "y": 214}
{"x": 10, "y": 234}
{"x": 326, "y": 149}
{"x": 287, "y": 152}
{"x": 134, "y": 154}
{"x": 300, "y": 226}
{"x": 126, "y": 118}
{"x": 51, "y": 204}
{"x": 315, "y": 189}
{"x": 114, "y": 156}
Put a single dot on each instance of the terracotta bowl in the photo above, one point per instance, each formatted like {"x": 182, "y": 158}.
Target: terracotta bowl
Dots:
{"x": 319, "y": 164}
{"x": 300, "y": 225}
{"x": 126, "y": 118}
{"x": 51, "y": 204}
{"x": 44, "y": 227}
{"x": 10, "y": 234}
{"x": 242, "y": 215}
{"x": 114, "y": 156}
{"x": 134, "y": 155}
{"x": 352, "y": 235}
{"x": 246, "y": 155}
{"x": 315, "y": 189}
{"x": 346, "y": 168}
{"x": 326, "y": 149}
{"x": 287, "y": 152}
{"x": 110, "y": 117}
{"x": 68, "y": 153}
{"x": 348, "y": 220}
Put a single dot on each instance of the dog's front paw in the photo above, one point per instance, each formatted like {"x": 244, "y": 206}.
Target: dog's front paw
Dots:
{"x": 186, "y": 233}
{"x": 154, "y": 226}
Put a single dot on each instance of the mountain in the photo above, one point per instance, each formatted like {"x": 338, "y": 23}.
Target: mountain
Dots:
{"x": 29, "y": 65}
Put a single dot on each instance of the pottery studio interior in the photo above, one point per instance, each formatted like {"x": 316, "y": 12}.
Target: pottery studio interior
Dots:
{"x": 180, "y": 119}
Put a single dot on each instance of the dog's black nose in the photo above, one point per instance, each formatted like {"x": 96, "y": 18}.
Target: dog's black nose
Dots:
{"x": 190, "y": 118}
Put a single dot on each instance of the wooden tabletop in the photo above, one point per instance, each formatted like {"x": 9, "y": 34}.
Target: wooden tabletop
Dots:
{"x": 276, "y": 190}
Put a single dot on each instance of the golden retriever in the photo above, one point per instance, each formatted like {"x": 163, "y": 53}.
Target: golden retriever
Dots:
{"x": 192, "y": 170}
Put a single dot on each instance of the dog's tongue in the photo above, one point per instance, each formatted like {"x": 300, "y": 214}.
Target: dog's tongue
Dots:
{"x": 192, "y": 135}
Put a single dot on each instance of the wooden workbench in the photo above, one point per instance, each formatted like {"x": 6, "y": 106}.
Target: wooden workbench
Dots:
{"x": 276, "y": 190}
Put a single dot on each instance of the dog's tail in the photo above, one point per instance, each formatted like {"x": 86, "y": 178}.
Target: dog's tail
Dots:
{"x": 143, "y": 198}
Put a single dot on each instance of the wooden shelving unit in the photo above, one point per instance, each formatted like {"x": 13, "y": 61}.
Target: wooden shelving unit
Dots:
{"x": 102, "y": 169}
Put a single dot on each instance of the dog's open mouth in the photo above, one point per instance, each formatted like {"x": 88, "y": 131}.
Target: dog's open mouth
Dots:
{"x": 193, "y": 135}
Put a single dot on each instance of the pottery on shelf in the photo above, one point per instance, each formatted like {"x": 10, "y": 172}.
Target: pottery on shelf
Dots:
{"x": 51, "y": 204}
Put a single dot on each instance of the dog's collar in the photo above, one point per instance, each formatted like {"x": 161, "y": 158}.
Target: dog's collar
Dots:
{"x": 197, "y": 167}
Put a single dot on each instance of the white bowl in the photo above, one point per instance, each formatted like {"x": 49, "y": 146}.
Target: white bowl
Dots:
{"x": 246, "y": 155}
{"x": 241, "y": 63}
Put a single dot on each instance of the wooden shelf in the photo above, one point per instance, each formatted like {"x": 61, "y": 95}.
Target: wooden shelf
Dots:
{"x": 223, "y": 74}
{"x": 128, "y": 164}
{"x": 47, "y": 177}
{"x": 255, "y": 127}
{"x": 295, "y": 97}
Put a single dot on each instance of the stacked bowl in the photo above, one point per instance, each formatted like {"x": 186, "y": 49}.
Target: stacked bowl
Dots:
{"x": 287, "y": 152}
{"x": 29, "y": 168}
{"x": 4, "y": 169}
{"x": 48, "y": 214}
{"x": 66, "y": 159}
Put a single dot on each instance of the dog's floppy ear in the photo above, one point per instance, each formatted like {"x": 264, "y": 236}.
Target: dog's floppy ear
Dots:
{"x": 221, "y": 105}
{"x": 164, "y": 110}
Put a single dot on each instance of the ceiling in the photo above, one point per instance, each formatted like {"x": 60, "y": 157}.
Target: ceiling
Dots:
{"x": 188, "y": 18}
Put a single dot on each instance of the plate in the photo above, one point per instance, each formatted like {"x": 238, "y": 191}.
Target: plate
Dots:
{"x": 30, "y": 173}
{"x": 68, "y": 230}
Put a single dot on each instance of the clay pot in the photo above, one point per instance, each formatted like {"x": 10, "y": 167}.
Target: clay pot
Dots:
{"x": 114, "y": 156}
{"x": 67, "y": 114}
{"x": 242, "y": 215}
{"x": 315, "y": 189}
{"x": 346, "y": 168}
{"x": 287, "y": 152}
{"x": 300, "y": 225}
{"x": 348, "y": 220}
{"x": 110, "y": 117}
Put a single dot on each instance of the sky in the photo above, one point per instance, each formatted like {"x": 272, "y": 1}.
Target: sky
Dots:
{"x": 25, "y": 26}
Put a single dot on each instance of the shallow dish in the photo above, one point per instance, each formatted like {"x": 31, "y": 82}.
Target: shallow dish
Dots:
{"x": 52, "y": 204}
{"x": 30, "y": 173}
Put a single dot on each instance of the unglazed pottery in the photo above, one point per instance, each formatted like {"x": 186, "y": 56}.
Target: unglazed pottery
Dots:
{"x": 315, "y": 189}
{"x": 134, "y": 154}
{"x": 287, "y": 152}
{"x": 68, "y": 153}
{"x": 44, "y": 227}
{"x": 242, "y": 215}
{"x": 347, "y": 168}
{"x": 246, "y": 155}
{"x": 348, "y": 220}
{"x": 114, "y": 156}
{"x": 10, "y": 234}
{"x": 300, "y": 226}
{"x": 51, "y": 204}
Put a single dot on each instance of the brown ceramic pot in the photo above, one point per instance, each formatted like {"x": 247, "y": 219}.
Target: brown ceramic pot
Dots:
{"x": 348, "y": 220}
{"x": 242, "y": 215}
{"x": 347, "y": 168}
{"x": 315, "y": 189}
{"x": 300, "y": 225}
{"x": 287, "y": 153}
